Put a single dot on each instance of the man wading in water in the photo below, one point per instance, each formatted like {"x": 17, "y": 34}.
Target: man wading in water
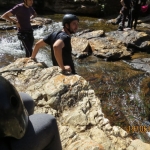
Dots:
{"x": 23, "y": 12}
{"x": 60, "y": 43}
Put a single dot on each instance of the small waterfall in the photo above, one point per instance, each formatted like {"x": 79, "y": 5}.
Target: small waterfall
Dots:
{"x": 9, "y": 43}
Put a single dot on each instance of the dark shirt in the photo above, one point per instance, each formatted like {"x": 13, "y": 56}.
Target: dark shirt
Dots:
{"x": 136, "y": 4}
{"x": 23, "y": 15}
{"x": 127, "y": 3}
{"x": 66, "y": 51}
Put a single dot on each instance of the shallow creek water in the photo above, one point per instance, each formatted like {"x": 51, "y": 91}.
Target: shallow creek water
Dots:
{"x": 116, "y": 83}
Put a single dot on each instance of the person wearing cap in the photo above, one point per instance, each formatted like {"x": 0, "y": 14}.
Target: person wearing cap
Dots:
{"x": 20, "y": 129}
{"x": 60, "y": 43}
{"x": 23, "y": 12}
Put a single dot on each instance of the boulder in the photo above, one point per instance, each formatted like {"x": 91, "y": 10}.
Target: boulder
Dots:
{"x": 132, "y": 39}
{"x": 93, "y": 34}
{"x": 73, "y": 102}
{"x": 80, "y": 47}
{"x": 109, "y": 48}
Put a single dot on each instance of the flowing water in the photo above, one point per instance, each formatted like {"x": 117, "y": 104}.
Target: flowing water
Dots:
{"x": 116, "y": 83}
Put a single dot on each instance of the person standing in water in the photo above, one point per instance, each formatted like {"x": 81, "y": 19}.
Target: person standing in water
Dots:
{"x": 60, "y": 43}
{"x": 23, "y": 12}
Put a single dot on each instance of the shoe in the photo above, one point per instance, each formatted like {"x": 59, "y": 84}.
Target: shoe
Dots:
{"x": 120, "y": 28}
{"x": 126, "y": 29}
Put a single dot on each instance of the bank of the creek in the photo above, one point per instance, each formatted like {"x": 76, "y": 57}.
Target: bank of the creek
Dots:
{"x": 116, "y": 83}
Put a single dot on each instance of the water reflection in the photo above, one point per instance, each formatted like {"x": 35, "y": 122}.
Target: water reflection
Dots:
{"x": 118, "y": 87}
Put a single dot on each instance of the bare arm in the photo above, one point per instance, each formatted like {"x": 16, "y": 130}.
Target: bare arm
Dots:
{"x": 33, "y": 16}
{"x": 58, "y": 45}
{"x": 36, "y": 48}
{"x": 7, "y": 16}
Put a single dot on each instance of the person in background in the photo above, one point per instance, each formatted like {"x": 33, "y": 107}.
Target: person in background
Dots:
{"x": 125, "y": 13}
{"x": 23, "y": 12}
{"x": 60, "y": 43}
{"x": 20, "y": 129}
{"x": 135, "y": 11}
{"x": 119, "y": 17}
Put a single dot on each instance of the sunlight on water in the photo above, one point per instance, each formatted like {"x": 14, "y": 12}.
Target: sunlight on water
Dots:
{"x": 44, "y": 56}
{"x": 130, "y": 101}
{"x": 46, "y": 29}
{"x": 148, "y": 133}
{"x": 11, "y": 45}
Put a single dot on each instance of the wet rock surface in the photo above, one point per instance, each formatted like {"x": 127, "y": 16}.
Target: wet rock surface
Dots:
{"x": 93, "y": 34}
{"x": 141, "y": 64}
{"x": 80, "y": 47}
{"x": 133, "y": 39}
{"x": 109, "y": 48}
{"x": 116, "y": 45}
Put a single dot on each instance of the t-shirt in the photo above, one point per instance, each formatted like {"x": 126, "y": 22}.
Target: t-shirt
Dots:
{"x": 127, "y": 3}
{"x": 23, "y": 15}
{"x": 136, "y": 4}
{"x": 66, "y": 51}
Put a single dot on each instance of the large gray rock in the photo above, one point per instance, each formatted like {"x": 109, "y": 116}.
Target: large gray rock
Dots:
{"x": 99, "y": 45}
{"x": 109, "y": 48}
{"x": 133, "y": 39}
{"x": 80, "y": 47}
{"x": 138, "y": 145}
{"x": 93, "y": 34}
{"x": 71, "y": 100}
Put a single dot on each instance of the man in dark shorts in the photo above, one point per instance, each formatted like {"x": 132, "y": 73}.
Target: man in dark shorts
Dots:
{"x": 23, "y": 12}
{"x": 20, "y": 129}
{"x": 60, "y": 43}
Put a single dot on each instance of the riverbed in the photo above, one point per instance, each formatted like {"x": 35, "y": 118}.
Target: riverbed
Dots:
{"x": 116, "y": 83}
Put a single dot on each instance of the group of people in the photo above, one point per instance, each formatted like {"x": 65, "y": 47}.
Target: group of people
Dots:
{"x": 60, "y": 41}
{"x": 20, "y": 129}
{"x": 130, "y": 11}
